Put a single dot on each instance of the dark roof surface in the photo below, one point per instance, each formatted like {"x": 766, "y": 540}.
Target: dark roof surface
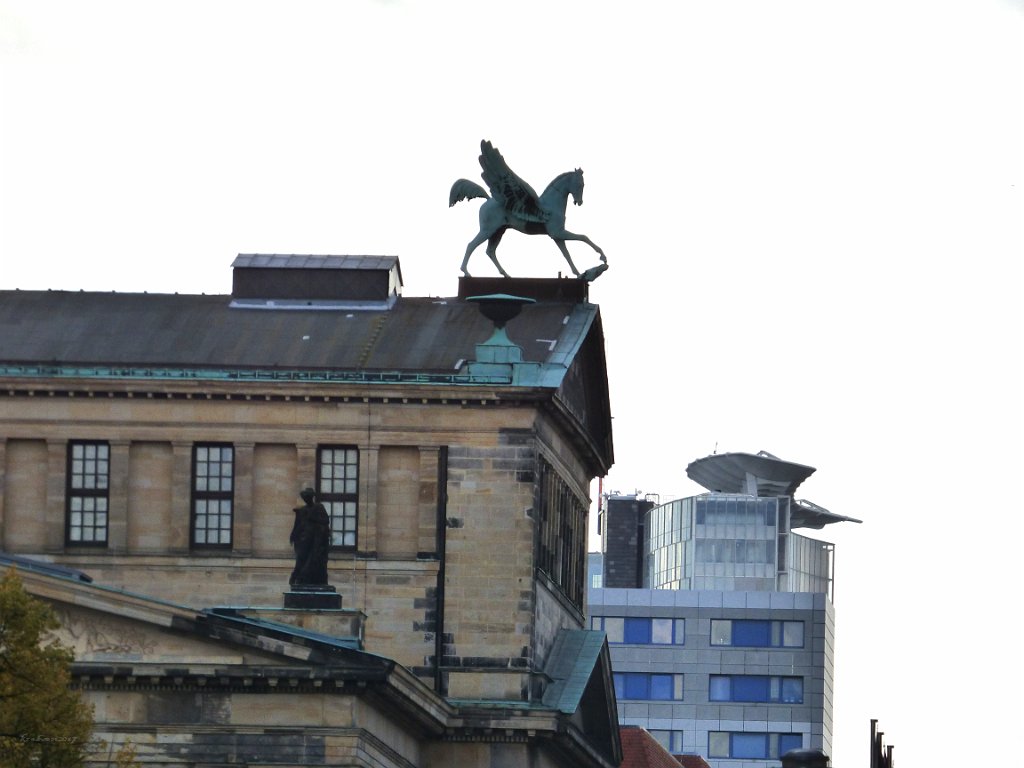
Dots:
{"x": 417, "y": 334}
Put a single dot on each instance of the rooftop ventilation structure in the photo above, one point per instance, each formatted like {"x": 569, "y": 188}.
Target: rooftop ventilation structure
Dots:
{"x": 298, "y": 282}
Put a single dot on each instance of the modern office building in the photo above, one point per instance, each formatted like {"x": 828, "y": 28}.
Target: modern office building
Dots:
{"x": 152, "y": 449}
{"x": 722, "y": 645}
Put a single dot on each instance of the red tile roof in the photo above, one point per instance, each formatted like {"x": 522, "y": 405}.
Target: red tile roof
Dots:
{"x": 692, "y": 761}
{"x": 641, "y": 750}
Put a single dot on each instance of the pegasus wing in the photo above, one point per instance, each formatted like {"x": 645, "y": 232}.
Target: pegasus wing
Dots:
{"x": 464, "y": 189}
{"x": 515, "y": 195}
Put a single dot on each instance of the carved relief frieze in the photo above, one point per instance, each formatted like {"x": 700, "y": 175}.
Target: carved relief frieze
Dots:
{"x": 92, "y": 636}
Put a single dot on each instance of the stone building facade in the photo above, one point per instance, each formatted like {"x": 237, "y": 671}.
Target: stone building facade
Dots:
{"x": 156, "y": 444}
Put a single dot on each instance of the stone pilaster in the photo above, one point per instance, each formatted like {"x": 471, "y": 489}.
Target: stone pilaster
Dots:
{"x": 366, "y": 537}
{"x": 241, "y": 536}
{"x": 427, "y": 505}
{"x": 181, "y": 498}
{"x": 56, "y": 488}
{"x": 117, "y": 497}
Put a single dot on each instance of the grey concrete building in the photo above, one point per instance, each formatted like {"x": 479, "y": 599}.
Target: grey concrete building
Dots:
{"x": 723, "y": 646}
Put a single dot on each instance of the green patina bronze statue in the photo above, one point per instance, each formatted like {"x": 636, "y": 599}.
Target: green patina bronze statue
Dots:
{"x": 513, "y": 203}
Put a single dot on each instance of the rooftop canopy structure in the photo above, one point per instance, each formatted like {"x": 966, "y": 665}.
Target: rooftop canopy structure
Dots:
{"x": 762, "y": 474}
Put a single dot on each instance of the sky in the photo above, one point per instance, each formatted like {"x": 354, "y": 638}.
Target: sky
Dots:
{"x": 811, "y": 211}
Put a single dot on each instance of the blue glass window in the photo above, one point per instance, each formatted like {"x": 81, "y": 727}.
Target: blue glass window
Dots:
{"x": 637, "y": 686}
{"x": 788, "y": 741}
{"x": 757, "y": 633}
{"x": 720, "y": 688}
{"x": 645, "y": 686}
{"x": 756, "y": 688}
{"x": 752, "y": 746}
{"x": 638, "y": 631}
{"x": 793, "y": 690}
{"x": 641, "y": 631}
{"x": 749, "y": 688}
{"x": 661, "y": 687}
{"x": 751, "y": 634}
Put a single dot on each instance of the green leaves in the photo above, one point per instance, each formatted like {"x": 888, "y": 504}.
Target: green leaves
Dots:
{"x": 43, "y": 723}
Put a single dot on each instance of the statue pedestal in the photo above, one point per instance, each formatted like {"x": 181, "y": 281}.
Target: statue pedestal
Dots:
{"x": 312, "y": 596}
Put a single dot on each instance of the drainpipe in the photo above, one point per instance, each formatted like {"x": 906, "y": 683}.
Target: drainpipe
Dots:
{"x": 441, "y": 528}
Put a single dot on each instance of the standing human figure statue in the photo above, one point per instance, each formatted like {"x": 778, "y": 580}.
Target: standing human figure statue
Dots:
{"x": 311, "y": 537}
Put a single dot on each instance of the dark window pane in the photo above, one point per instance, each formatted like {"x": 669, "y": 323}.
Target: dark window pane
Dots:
{"x": 751, "y": 633}
{"x": 636, "y": 685}
{"x": 750, "y": 745}
{"x": 749, "y": 688}
{"x": 638, "y": 631}
{"x": 789, "y": 741}
{"x": 661, "y": 687}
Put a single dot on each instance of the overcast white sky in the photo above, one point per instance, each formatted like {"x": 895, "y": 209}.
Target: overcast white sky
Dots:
{"x": 812, "y": 213}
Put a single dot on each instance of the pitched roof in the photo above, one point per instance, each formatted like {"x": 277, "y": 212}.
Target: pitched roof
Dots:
{"x": 198, "y": 331}
{"x": 554, "y": 347}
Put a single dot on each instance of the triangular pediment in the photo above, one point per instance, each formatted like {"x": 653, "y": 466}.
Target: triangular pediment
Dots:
{"x": 581, "y": 686}
{"x": 583, "y": 396}
{"x": 111, "y": 628}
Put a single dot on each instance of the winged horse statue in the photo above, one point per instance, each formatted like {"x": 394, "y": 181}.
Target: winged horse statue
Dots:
{"x": 513, "y": 204}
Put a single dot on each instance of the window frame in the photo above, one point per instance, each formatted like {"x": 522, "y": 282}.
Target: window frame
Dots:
{"x": 771, "y": 742}
{"x": 71, "y": 494}
{"x": 678, "y": 628}
{"x": 774, "y": 685}
{"x": 776, "y": 633}
{"x": 644, "y": 682}
{"x": 206, "y": 495}
{"x": 330, "y": 498}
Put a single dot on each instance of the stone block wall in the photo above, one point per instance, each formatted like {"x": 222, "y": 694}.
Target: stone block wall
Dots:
{"x": 496, "y": 628}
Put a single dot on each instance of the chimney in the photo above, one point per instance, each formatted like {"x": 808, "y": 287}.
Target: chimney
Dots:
{"x": 276, "y": 281}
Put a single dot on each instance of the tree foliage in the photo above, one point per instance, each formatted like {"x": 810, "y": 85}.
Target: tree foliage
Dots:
{"x": 43, "y": 723}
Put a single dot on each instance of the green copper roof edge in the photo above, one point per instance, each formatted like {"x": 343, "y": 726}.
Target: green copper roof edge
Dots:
{"x": 170, "y": 373}
{"x": 580, "y": 320}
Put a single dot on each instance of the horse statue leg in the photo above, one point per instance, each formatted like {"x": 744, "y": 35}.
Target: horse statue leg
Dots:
{"x": 565, "y": 252}
{"x": 492, "y": 246}
{"x": 481, "y": 236}
{"x": 567, "y": 235}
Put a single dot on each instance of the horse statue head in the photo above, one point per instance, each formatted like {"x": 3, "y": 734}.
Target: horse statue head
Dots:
{"x": 576, "y": 186}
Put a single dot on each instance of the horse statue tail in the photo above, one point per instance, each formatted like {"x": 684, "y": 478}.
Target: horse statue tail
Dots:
{"x": 464, "y": 189}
